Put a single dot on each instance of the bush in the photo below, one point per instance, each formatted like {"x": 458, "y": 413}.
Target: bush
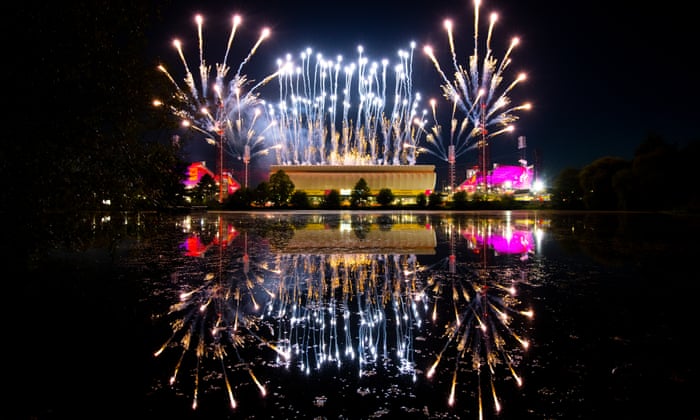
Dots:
{"x": 385, "y": 197}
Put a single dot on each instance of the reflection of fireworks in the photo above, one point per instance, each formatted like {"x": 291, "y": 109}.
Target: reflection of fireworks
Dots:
{"x": 370, "y": 291}
{"x": 314, "y": 118}
{"x": 481, "y": 333}
{"x": 477, "y": 93}
{"x": 216, "y": 317}
{"x": 224, "y": 110}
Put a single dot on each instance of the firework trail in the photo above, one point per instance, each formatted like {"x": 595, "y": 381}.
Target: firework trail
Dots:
{"x": 226, "y": 110}
{"x": 337, "y": 113}
{"x": 480, "y": 104}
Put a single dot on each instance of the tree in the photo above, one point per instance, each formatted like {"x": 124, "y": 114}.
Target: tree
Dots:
{"x": 422, "y": 200}
{"x": 241, "y": 199}
{"x": 331, "y": 200}
{"x": 459, "y": 200}
{"x": 385, "y": 197}
{"x": 360, "y": 194}
{"x": 300, "y": 200}
{"x": 435, "y": 200}
{"x": 280, "y": 188}
{"x": 205, "y": 191}
{"x": 102, "y": 141}
{"x": 597, "y": 183}
{"x": 261, "y": 194}
{"x": 655, "y": 167}
{"x": 567, "y": 192}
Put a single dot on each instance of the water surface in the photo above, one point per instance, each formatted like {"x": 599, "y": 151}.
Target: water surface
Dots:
{"x": 360, "y": 315}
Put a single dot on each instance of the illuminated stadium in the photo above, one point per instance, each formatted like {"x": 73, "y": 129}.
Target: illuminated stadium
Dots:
{"x": 404, "y": 181}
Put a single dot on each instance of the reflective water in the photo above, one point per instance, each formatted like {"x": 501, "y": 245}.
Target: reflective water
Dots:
{"x": 361, "y": 315}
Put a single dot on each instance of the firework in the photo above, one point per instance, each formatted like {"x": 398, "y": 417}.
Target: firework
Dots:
{"x": 337, "y": 113}
{"x": 480, "y": 102}
{"x": 224, "y": 110}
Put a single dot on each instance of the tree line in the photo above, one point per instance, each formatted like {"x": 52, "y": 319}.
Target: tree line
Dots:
{"x": 660, "y": 176}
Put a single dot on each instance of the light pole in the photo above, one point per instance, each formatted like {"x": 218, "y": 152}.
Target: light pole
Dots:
{"x": 246, "y": 161}
{"x": 451, "y": 160}
{"x": 221, "y": 165}
{"x": 483, "y": 147}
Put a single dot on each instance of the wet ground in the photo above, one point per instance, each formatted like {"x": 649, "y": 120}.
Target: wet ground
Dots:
{"x": 366, "y": 315}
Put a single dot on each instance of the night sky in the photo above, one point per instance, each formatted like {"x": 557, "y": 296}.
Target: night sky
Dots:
{"x": 601, "y": 78}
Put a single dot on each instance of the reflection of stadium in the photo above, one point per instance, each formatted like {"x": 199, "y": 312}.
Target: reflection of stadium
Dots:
{"x": 361, "y": 239}
{"x": 405, "y": 181}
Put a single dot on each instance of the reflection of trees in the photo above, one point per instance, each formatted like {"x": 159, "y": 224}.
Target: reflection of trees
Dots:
{"x": 385, "y": 222}
{"x": 278, "y": 231}
{"x": 361, "y": 226}
{"x": 619, "y": 238}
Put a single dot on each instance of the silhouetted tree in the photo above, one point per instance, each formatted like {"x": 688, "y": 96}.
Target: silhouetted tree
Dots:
{"x": 241, "y": 199}
{"x": 460, "y": 200}
{"x": 205, "y": 191}
{"x": 566, "y": 192}
{"x": 331, "y": 200}
{"x": 280, "y": 188}
{"x": 435, "y": 200}
{"x": 360, "y": 194}
{"x": 102, "y": 139}
{"x": 385, "y": 197}
{"x": 655, "y": 167}
{"x": 300, "y": 200}
{"x": 262, "y": 194}
{"x": 421, "y": 200}
{"x": 597, "y": 183}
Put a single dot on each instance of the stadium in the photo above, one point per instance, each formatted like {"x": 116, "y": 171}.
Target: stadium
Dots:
{"x": 406, "y": 182}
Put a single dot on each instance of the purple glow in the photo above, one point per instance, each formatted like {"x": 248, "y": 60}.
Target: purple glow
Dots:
{"x": 506, "y": 177}
{"x": 506, "y": 242}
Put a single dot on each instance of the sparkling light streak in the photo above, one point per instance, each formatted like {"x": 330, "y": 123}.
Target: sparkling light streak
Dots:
{"x": 345, "y": 113}
{"x": 225, "y": 111}
{"x": 480, "y": 104}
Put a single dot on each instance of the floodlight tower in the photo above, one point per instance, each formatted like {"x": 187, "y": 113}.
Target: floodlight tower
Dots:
{"x": 483, "y": 148}
{"x": 451, "y": 161}
{"x": 221, "y": 165}
{"x": 246, "y": 161}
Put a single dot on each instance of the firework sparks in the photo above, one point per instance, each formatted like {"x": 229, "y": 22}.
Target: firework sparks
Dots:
{"x": 477, "y": 93}
{"x": 226, "y": 110}
{"x": 316, "y": 121}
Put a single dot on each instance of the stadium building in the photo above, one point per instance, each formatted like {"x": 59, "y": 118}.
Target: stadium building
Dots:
{"x": 404, "y": 181}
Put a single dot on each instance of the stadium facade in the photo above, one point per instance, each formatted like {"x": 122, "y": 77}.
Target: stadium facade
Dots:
{"x": 406, "y": 182}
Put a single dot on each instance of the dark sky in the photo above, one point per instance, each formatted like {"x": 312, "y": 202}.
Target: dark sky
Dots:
{"x": 600, "y": 77}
